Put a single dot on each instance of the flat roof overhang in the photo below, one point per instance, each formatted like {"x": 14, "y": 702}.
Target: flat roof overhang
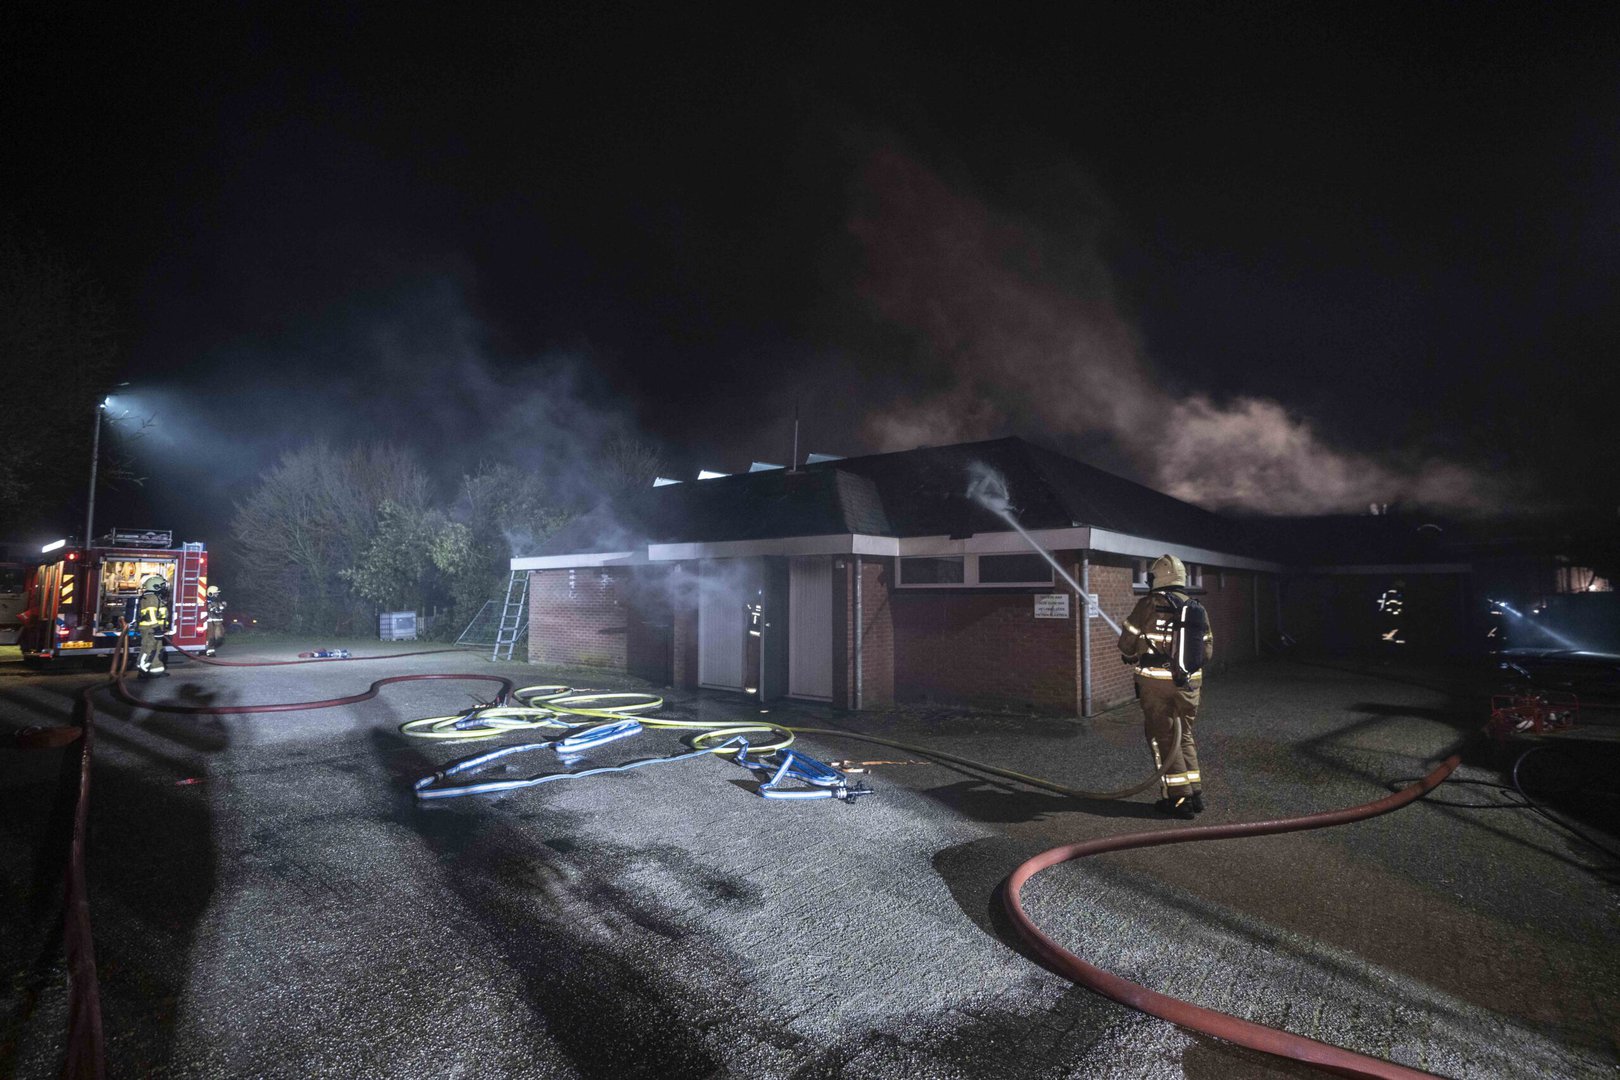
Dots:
{"x": 1078, "y": 538}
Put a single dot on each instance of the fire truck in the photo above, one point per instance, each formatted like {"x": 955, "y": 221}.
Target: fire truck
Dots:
{"x": 73, "y": 602}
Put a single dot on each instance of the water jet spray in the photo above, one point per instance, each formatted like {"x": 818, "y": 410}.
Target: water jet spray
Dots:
{"x": 1520, "y": 619}
{"x": 988, "y": 487}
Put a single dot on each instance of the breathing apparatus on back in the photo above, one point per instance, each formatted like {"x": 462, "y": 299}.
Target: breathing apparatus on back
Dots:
{"x": 1189, "y": 622}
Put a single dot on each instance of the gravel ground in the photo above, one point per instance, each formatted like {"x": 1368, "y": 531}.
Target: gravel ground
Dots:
{"x": 269, "y": 899}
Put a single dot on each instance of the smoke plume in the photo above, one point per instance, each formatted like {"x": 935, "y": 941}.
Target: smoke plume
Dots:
{"x": 1025, "y": 332}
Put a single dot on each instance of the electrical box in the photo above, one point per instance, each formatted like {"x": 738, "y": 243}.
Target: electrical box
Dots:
{"x": 397, "y": 626}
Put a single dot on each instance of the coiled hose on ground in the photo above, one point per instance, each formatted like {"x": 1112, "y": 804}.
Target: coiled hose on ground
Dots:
{"x": 562, "y": 710}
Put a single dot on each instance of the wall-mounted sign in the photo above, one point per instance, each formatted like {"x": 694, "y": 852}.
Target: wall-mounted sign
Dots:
{"x": 1093, "y": 609}
{"x": 1052, "y": 606}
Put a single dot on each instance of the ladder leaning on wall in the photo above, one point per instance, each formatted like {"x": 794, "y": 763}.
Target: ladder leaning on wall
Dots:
{"x": 513, "y": 622}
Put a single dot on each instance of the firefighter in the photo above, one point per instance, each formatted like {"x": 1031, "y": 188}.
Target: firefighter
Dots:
{"x": 216, "y": 620}
{"x": 1167, "y": 692}
{"x": 152, "y": 617}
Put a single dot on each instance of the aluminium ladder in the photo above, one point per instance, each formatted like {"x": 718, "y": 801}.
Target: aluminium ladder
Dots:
{"x": 188, "y": 598}
{"x": 513, "y": 625}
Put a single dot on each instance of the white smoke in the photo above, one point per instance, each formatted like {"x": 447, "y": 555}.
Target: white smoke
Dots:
{"x": 1020, "y": 344}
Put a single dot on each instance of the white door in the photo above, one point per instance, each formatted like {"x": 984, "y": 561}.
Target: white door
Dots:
{"x": 725, "y": 588}
{"x": 810, "y": 624}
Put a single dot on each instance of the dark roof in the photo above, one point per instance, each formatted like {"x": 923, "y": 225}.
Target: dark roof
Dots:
{"x": 749, "y": 506}
{"x": 1362, "y": 539}
{"x": 910, "y": 493}
{"x": 925, "y": 494}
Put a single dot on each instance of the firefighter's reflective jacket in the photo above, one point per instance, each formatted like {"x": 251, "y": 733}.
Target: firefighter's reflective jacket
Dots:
{"x": 1148, "y": 638}
{"x": 153, "y": 613}
{"x": 216, "y": 609}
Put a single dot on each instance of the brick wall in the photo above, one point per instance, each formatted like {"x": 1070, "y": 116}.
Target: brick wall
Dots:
{"x": 843, "y": 629}
{"x": 1305, "y": 603}
{"x": 1111, "y": 681}
{"x": 576, "y": 617}
{"x": 980, "y": 646}
{"x": 1268, "y": 587}
{"x": 1231, "y": 614}
{"x": 877, "y": 633}
{"x": 684, "y": 615}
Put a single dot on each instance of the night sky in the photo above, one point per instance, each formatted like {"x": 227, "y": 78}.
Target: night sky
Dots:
{"x": 1284, "y": 258}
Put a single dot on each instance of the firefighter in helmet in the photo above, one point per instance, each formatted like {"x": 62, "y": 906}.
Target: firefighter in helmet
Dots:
{"x": 152, "y": 618}
{"x": 1167, "y": 691}
{"x": 216, "y": 620}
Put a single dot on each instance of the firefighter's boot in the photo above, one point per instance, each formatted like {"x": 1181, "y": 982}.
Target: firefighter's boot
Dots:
{"x": 1179, "y": 806}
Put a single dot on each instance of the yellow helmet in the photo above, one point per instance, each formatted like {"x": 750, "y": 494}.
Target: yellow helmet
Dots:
{"x": 154, "y": 582}
{"x": 213, "y": 590}
{"x": 1167, "y": 571}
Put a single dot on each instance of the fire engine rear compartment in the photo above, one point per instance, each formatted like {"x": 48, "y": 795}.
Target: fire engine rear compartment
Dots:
{"x": 74, "y": 604}
{"x": 120, "y": 587}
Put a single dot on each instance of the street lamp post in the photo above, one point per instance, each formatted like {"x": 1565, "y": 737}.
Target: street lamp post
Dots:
{"x": 95, "y": 457}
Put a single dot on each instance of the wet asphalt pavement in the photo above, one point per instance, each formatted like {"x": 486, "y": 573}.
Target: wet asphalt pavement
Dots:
{"x": 270, "y": 900}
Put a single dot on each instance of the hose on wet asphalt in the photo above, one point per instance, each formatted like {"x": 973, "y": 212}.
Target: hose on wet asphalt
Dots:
{"x": 563, "y": 710}
{"x": 86, "y": 1048}
{"x": 1185, "y": 1014}
{"x": 512, "y": 710}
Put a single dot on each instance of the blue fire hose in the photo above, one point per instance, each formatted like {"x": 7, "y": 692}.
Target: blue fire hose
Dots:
{"x": 825, "y": 782}
{"x": 567, "y": 749}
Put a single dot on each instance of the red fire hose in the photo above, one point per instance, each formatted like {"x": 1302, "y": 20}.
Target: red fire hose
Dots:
{"x": 123, "y": 694}
{"x": 201, "y": 659}
{"x": 1269, "y": 1040}
{"x": 86, "y": 1053}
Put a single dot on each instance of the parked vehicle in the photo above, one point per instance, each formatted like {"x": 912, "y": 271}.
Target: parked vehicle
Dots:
{"x": 72, "y": 604}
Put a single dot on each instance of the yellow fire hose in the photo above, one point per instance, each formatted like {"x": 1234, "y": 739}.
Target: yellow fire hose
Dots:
{"x": 559, "y": 710}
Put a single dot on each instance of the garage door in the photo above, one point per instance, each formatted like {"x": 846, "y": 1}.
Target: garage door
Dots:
{"x": 810, "y": 636}
{"x": 725, "y": 588}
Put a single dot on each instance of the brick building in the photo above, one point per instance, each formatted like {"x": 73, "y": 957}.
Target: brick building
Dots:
{"x": 868, "y": 581}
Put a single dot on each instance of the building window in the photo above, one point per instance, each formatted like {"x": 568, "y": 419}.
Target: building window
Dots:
{"x": 1139, "y": 574}
{"x": 1014, "y": 570}
{"x": 975, "y": 571}
{"x": 945, "y": 571}
{"x": 1195, "y": 575}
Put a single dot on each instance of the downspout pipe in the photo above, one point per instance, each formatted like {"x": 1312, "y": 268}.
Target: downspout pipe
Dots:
{"x": 1085, "y": 635}
{"x": 859, "y": 619}
{"x": 1254, "y": 607}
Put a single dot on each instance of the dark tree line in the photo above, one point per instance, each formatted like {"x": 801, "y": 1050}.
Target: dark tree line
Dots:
{"x": 58, "y": 346}
{"x": 335, "y": 535}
